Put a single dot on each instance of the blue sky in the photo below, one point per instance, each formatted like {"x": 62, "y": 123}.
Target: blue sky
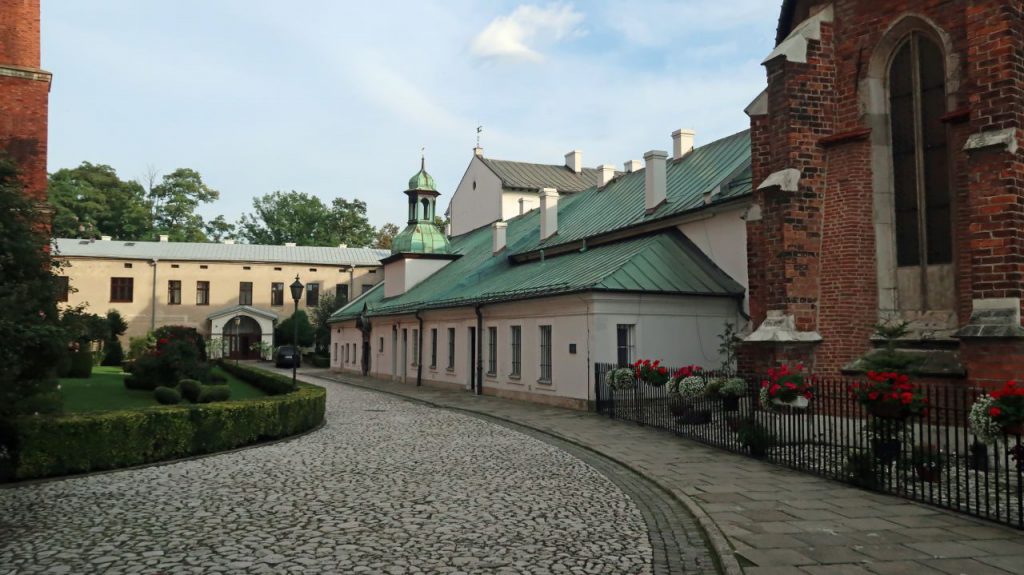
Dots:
{"x": 336, "y": 98}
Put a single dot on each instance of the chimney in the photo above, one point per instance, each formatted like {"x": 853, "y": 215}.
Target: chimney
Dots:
{"x": 229, "y": 241}
{"x": 682, "y": 143}
{"x": 548, "y": 213}
{"x": 633, "y": 166}
{"x": 522, "y": 206}
{"x": 289, "y": 244}
{"x": 164, "y": 237}
{"x": 574, "y": 161}
{"x": 499, "y": 234}
{"x": 342, "y": 246}
{"x": 654, "y": 179}
{"x": 478, "y": 152}
{"x": 105, "y": 238}
{"x": 605, "y": 174}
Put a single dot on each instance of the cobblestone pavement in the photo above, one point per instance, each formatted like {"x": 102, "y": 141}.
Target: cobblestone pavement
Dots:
{"x": 761, "y": 518}
{"x": 387, "y": 486}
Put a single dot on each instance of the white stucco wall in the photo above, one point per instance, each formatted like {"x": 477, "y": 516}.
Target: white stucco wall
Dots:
{"x": 510, "y": 203}
{"x": 723, "y": 238}
{"x": 677, "y": 330}
{"x": 472, "y": 208}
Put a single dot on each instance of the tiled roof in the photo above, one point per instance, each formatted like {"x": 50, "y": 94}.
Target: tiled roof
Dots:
{"x": 195, "y": 251}
{"x": 524, "y": 175}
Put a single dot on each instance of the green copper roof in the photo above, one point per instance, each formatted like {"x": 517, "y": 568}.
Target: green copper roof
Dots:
{"x": 420, "y": 238}
{"x": 366, "y": 301}
{"x": 422, "y": 180}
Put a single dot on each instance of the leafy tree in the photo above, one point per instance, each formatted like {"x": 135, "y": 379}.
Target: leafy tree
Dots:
{"x": 286, "y": 329}
{"x": 91, "y": 200}
{"x": 385, "y": 235}
{"x": 83, "y": 327}
{"x": 33, "y": 343}
{"x": 302, "y": 218}
{"x": 113, "y": 352}
{"x": 219, "y": 229}
{"x": 328, "y": 304}
{"x": 175, "y": 200}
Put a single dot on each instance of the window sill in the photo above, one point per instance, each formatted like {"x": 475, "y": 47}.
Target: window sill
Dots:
{"x": 544, "y": 381}
{"x": 450, "y": 369}
{"x": 515, "y": 376}
{"x": 432, "y": 368}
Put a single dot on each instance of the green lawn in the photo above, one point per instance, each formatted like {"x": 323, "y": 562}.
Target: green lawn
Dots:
{"x": 105, "y": 391}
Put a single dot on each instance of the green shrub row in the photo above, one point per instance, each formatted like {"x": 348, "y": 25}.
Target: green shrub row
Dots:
{"x": 270, "y": 383}
{"x": 44, "y": 446}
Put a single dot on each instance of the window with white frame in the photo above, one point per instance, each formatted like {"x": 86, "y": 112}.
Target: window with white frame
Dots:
{"x": 516, "y": 335}
{"x": 625, "y": 343}
{"x": 545, "y": 354}
{"x": 492, "y": 350}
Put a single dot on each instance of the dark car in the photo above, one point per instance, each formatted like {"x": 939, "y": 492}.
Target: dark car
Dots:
{"x": 286, "y": 355}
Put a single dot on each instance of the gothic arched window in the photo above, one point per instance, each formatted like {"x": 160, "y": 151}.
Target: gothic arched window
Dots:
{"x": 921, "y": 179}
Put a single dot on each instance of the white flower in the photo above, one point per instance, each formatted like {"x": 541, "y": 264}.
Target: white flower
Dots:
{"x": 692, "y": 387}
{"x": 621, "y": 378}
{"x": 984, "y": 427}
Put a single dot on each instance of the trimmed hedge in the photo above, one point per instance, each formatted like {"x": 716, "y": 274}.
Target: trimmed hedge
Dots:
{"x": 213, "y": 393}
{"x": 270, "y": 383}
{"x": 77, "y": 443}
{"x": 81, "y": 364}
{"x": 190, "y": 389}
{"x": 167, "y": 395}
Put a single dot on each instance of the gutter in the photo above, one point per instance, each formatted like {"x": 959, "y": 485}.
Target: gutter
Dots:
{"x": 419, "y": 351}
{"x": 479, "y": 388}
{"x": 152, "y": 315}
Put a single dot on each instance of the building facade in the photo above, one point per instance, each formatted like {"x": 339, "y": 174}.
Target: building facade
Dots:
{"x": 888, "y": 176}
{"x": 24, "y": 95}
{"x": 650, "y": 263}
{"x": 235, "y": 292}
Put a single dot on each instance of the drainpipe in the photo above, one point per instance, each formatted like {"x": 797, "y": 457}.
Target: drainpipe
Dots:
{"x": 479, "y": 351}
{"x": 419, "y": 351}
{"x": 152, "y": 315}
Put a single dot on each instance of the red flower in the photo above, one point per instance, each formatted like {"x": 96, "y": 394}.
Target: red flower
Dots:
{"x": 906, "y": 397}
{"x": 994, "y": 411}
{"x": 662, "y": 371}
{"x": 872, "y": 395}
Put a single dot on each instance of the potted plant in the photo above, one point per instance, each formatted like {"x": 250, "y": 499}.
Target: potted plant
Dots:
{"x": 886, "y": 439}
{"x": 691, "y": 388}
{"x": 757, "y": 438}
{"x": 928, "y": 461}
{"x": 786, "y": 386}
{"x": 651, "y": 372}
{"x": 731, "y": 390}
{"x": 999, "y": 411}
{"x": 620, "y": 379}
{"x": 890, "y": 395}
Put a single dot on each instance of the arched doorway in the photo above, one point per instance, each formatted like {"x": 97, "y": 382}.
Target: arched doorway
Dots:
{"x": 240, "y": 333}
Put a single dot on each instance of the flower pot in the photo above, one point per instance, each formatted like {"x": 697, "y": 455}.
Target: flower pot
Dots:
{"x": 730, "y": 403}
{"x": 887, "y": 410}
{"x": 886, "y": 450}
{"x": 1014, "y": 428}
{"x": 800, "y": 402}
{"x": 928, "y": 474}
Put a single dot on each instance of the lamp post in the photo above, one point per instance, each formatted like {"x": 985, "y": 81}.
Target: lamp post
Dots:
{"x": 296, "y": 288}
{"x": 238, "y": 340}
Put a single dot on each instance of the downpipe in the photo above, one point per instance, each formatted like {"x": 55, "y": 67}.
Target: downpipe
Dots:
{"x": 419, "y": 351}
{"x": 479, "y": 390}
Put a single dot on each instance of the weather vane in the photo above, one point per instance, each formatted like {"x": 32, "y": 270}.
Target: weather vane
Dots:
{"x": 478, "y": 130}
{"x": 423, "y": 157}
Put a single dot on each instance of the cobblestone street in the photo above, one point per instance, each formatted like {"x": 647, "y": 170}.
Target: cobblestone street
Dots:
{"x": 387, "y": 486}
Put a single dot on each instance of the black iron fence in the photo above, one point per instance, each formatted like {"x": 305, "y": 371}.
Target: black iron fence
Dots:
{"x": 933, "y": 458}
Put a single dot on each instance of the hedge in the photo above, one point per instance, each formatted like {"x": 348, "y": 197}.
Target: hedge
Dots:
{"x": 81, "y": 364}
{"x": 43, "y": 446}
{"x": 270, "y": 383}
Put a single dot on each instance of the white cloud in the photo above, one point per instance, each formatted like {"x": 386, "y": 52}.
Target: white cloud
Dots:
{"x": 526, "y": 29}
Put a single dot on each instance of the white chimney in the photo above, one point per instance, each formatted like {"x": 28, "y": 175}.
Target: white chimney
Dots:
{"x": 574, "y": 161}
{"x": 289, "y": 244}
{"x": 548, "y": 213}
{"x": 229, "y": 241}
{"x": 499, "y": 232}
{"x": 654, "y": 179}
{"x": 633, "y": 166}
{"x": 342, "y": 246}
{"x": 682, "y": 142}
{"x": 605, "y": 174}
{"x": 522, "y": 206}
{"x": 105, "y": 238}
{"x": 478, "y": 152}
{"x": 164, "y": 237}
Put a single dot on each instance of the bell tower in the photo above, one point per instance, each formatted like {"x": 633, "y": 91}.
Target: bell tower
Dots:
{"x": 24, "y": 94}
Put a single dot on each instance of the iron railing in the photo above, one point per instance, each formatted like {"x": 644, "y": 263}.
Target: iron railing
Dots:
{"x": 835, "y": 437}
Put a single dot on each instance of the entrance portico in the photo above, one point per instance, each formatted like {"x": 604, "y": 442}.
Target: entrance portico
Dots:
{"x": 240, "y": 327}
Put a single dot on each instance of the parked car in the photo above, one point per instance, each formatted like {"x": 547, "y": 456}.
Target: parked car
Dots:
{"x": 286, "y": 355}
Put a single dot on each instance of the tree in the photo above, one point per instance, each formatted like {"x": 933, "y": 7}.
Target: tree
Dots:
{"x": 219, "y": 229}
{"x": 33, "y": 343}
{"x": 91, "y": 201}
{"x": 302, "y": 218}
{"x": 175, "y": 200}
{"x": 385, "y": 235}
{"x": 328, "y": 304}
{"x": 113, "y": 353}
{"x": 286, "y": 329}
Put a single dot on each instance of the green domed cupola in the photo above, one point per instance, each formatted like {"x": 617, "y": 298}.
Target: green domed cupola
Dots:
{"x": 421, "y": 236}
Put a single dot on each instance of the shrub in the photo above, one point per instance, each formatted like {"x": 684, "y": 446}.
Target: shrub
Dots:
{"x": 213, "y": 393}
{"x": 171, "y": 361}
{"x": 167, "y": 395}
{"x": 756, "y": 437}
{"x": 321, "y": 361}
{"x": 182, "y": 333}
{"x": 81, "y": 364}
{"x": 270, "y": 383}
{"x": 114, "y": 354}
{"x": 190, "y": 389}
{"x": 138, "y": 346}
{"x": 81, "y": 442}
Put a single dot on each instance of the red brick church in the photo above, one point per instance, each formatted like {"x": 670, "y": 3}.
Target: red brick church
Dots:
{"x": 890, "y": 186}
{"x": 24, "y": 94}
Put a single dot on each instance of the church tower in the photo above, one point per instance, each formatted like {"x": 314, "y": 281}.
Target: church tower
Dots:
{"x": 422, "y": 247}
{"x": 24, "y": 94}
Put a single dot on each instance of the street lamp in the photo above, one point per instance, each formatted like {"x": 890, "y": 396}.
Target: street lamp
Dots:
{"x": 238, "y": 340}
{"x": 296, "y": 288}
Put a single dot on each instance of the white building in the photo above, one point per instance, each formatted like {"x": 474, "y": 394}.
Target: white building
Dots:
{"x": 650, "y": 263}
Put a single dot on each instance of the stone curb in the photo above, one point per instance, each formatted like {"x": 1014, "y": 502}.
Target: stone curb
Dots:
{"x": 41, "y": 480}
{"x": 723, "y": 552}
